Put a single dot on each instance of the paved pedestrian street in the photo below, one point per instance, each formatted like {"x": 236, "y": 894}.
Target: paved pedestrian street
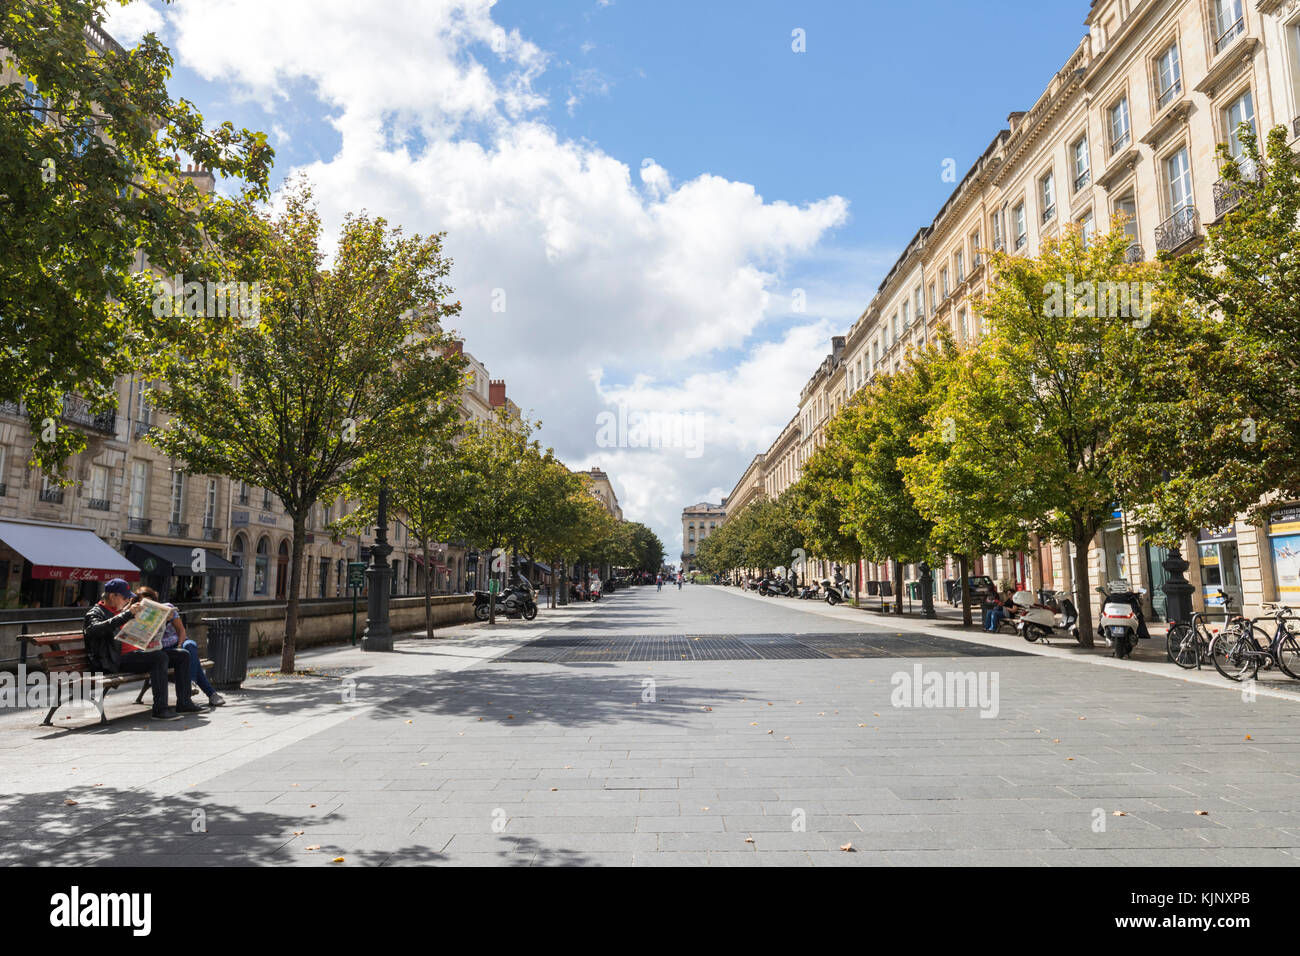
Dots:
{"x": 685, "y": 728}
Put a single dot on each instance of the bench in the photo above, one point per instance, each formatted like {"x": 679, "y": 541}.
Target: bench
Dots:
{"x": 66, "y": 654}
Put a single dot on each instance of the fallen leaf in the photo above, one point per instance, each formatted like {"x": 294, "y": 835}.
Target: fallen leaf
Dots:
{"x": 311, "y": 805}
{"x": 299, "y": 832}
{"x": 69, "y": 803}
{"x": 314, "y": 846}
{"x": 749, "y": 839}
{"x": 753, "y": 723}
{"x": 704, "y": 809}
{"x": 1249, "y": 737}
{"x": 410, "y": 721}
{"x": 337, "y": 859}
{"x": 848, "y": 848}
{"x": 553, "y": 789}
{"x": 862, "y": 725}
{"x": 1202, "y": 813}
{"x": 771, "y": 731}
{"x": 1119, "y": 813}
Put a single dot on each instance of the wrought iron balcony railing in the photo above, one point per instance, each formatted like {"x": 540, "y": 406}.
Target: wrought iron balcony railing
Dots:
{"x": 178, "y": 529}
{"x": 141, "y": 428}
{"x": 1230, "y": 34}
{"x": 1178, "y": 229}
{"x": 52, "y": 496}
{"x": 99, "y": 504}
{"x": 1227, "y": 194}
{"x": 1135, "y": 253}
{"x": 77, "y": 410}
{"x": 1082, "y": 179}
{"x": 139, "y": 525}
{"x": 1049, "y": 213}
{"x": 211, "y": 534}
{"x": 1167, "y": 96}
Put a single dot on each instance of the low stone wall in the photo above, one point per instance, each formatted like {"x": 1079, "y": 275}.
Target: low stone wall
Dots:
{"x": 319, "y": 622}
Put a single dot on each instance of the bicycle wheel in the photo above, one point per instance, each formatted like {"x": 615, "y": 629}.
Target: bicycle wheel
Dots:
{"x": 1234, "y": 653}
{"x": 1183, "y": 646}
{"x": 1288, "y": 656}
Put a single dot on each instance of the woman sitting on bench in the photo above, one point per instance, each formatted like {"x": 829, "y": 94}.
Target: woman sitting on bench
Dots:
{"x": 174, "y": 635}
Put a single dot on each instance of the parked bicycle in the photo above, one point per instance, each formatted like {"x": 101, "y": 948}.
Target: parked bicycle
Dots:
{"x": 1242, "y": 655}
{"x": 1188, "y": 645}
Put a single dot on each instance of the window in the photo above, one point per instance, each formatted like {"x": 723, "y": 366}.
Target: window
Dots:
{"x": 210, "y": 504}
{"x": 1087, "y": 228}
{"x": 919, "y": 295}
{"x": 934, "y": 299}
{"x": 1022, "y": 225}
{"x": 144, "y": 411}
{"x": 266, "y": 500}
{"x": 1169, "y": 77}
{"x": 98, "y": 484}
{"x": 4, "y": 463}
{"x": 975, "y": 249}
{"x": 139, "y": 489}
{"x": 1126, "y": 209}
{"x": 1242, "y": 110}
{"x": 906, "y": 318}
{"x": 965, "y": 330}
{"x": 895, "y": 325}
{"x": 995, "y": 225}
{"x": 1082, "y": 163}
{"x": 1047, "y": 196}
{"x": 943, "y": 278}
{"x": 959, "y": 261}
{"x": 178, "y": 496}
{"x": 1120, "y": 133}
{"x": 327, "y": 515}
{"x": 1228, "y": 23}
{"x": 1178, "y": 174}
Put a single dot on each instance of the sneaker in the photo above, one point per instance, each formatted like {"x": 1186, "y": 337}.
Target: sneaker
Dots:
{"x": 215, "y": 700}
{"x": 168, "y": 715}
{"x": 189, "y": 708}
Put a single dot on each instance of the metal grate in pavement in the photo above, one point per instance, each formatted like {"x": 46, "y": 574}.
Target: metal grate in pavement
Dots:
{"x": 742, "y": 647}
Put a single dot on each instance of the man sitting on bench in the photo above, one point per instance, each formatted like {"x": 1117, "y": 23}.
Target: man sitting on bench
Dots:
{"x": 102, "y": 623}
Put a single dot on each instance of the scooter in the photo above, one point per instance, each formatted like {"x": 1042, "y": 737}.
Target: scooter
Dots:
{"x": 837, "y": 592}
{"x": 1040, "y": 621}
{"x": 1121, "y": 622}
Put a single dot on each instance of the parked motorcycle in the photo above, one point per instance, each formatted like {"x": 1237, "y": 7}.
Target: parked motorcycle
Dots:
{"x": 1121, "y": 622}
{"x": 518, "y": 600}
{"x": 1040, "y": 621}
{"x": 836, "y": 592}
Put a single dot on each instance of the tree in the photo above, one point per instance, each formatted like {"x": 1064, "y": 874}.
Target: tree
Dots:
{"x": 820, "y": 503}
{"x": 90, "y": 188}
{"x": 1214, "y": 430}
{"x": 876, "y": 431}
{"x": 1030, "y": 412}
{"x": 344, "y": 366}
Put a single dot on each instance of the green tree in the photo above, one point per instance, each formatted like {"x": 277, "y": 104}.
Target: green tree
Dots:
{"x": 89, "y": 188}
{"x": 346, "y": 363}
{"x": 1214, "y": 422}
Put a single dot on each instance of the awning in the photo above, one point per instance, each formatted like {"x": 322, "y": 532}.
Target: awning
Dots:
{"x": 66, "y": 554}
{"x": 169, "y": 560}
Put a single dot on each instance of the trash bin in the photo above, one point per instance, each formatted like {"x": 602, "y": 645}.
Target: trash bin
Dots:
{"x": 228, "y": 648}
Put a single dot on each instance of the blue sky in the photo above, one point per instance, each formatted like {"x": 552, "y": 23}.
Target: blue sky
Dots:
{"x": 648, "y": 182}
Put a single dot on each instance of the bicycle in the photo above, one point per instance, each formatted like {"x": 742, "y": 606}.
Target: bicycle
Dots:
{"x": 1188, "y": 645}
{"x": 1241, "y": 656}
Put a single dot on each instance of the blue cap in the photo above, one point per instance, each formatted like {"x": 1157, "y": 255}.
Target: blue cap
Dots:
{"x": 118, "y": 586}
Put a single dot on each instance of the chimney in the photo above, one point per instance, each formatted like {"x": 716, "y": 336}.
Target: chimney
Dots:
{"x": 455, "y": 348}
{"x": 496, "y": 392}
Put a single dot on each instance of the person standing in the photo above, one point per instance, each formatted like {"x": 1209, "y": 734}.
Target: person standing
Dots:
{"x": 99, "y": 631}
{"x": 659, "y": 582}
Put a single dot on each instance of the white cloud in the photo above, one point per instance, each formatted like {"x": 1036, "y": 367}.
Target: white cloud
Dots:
{"x": 616, "y": 290}
{"x": 128, "y": 24}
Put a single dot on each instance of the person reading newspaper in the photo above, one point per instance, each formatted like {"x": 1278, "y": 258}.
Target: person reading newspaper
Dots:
{"x": 174, "y": 635}
{"x": 106, "y": 620}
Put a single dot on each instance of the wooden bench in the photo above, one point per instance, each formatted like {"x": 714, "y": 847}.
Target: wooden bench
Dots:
{"x": 66, "y": 654}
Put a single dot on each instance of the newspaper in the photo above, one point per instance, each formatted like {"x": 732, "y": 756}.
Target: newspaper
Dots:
{"x": 145, "y": 631}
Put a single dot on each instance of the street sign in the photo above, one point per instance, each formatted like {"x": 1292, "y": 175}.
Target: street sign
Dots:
{"x": 356, "y": 574}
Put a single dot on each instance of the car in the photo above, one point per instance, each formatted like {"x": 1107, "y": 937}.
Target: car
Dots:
{"x": 981, "y": 587}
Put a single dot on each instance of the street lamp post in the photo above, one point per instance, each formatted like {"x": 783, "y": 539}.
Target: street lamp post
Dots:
{"x": 927, "y": 591}
{"x": 378, "y": 635}
{"x": 1178, "y": 590}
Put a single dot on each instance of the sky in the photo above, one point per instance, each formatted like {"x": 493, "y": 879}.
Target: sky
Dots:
{"x": 659, "y": 212}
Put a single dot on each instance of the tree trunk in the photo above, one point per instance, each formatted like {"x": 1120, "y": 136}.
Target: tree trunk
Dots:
{"x": 1084, "y": 600}
{"x": 965, "y": 590}
{"x": 898, "y": 586}
{"x": 289, "y": 648}
{"x": 428, "y": 589}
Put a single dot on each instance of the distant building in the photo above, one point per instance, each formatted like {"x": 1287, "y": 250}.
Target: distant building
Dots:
{"x": 698, "y": 522}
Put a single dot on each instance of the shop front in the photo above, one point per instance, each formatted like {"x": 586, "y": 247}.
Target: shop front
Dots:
{"x": 1284, "y": 544}
{"x": 46, "y": 565}
{"x": 179, "y": 573}
{"x": 1220, "y": 567}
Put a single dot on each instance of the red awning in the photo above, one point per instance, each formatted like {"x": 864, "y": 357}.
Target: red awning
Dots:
{"x": 66, "y": 554}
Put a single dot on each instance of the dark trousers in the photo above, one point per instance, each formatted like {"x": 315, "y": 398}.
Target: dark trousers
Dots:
{"x": 156, "y": 664}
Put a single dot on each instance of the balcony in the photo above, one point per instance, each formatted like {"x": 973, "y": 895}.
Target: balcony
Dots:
{"x": 243, "y": 497}
{"x": 141, "y": 428}
{"x": 139, "y": 525}
{"x": 1082, "y": 179}
{"x": 211, "y": 534}
{"x": 178, "y": 529}
{"x": 1230, "y": 34}
{"x": 1295, "y": 132}
{"x": 1135, "y": 253}
{"x": 1121, "y": 142}
{"x": 13, "y": 408}
{"x": 999, "y": 245}
{"x": 1049, "y": 213}
{"x": 4, "y": 489}
{"x": 77, "y": 410}
{"x": 98, "y": 504}
{"x": 1179, "y": 229}
{"x": 1167, "y": 96}
{"x": 1228, "y": 194}
{"x": 53, "y": 496}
